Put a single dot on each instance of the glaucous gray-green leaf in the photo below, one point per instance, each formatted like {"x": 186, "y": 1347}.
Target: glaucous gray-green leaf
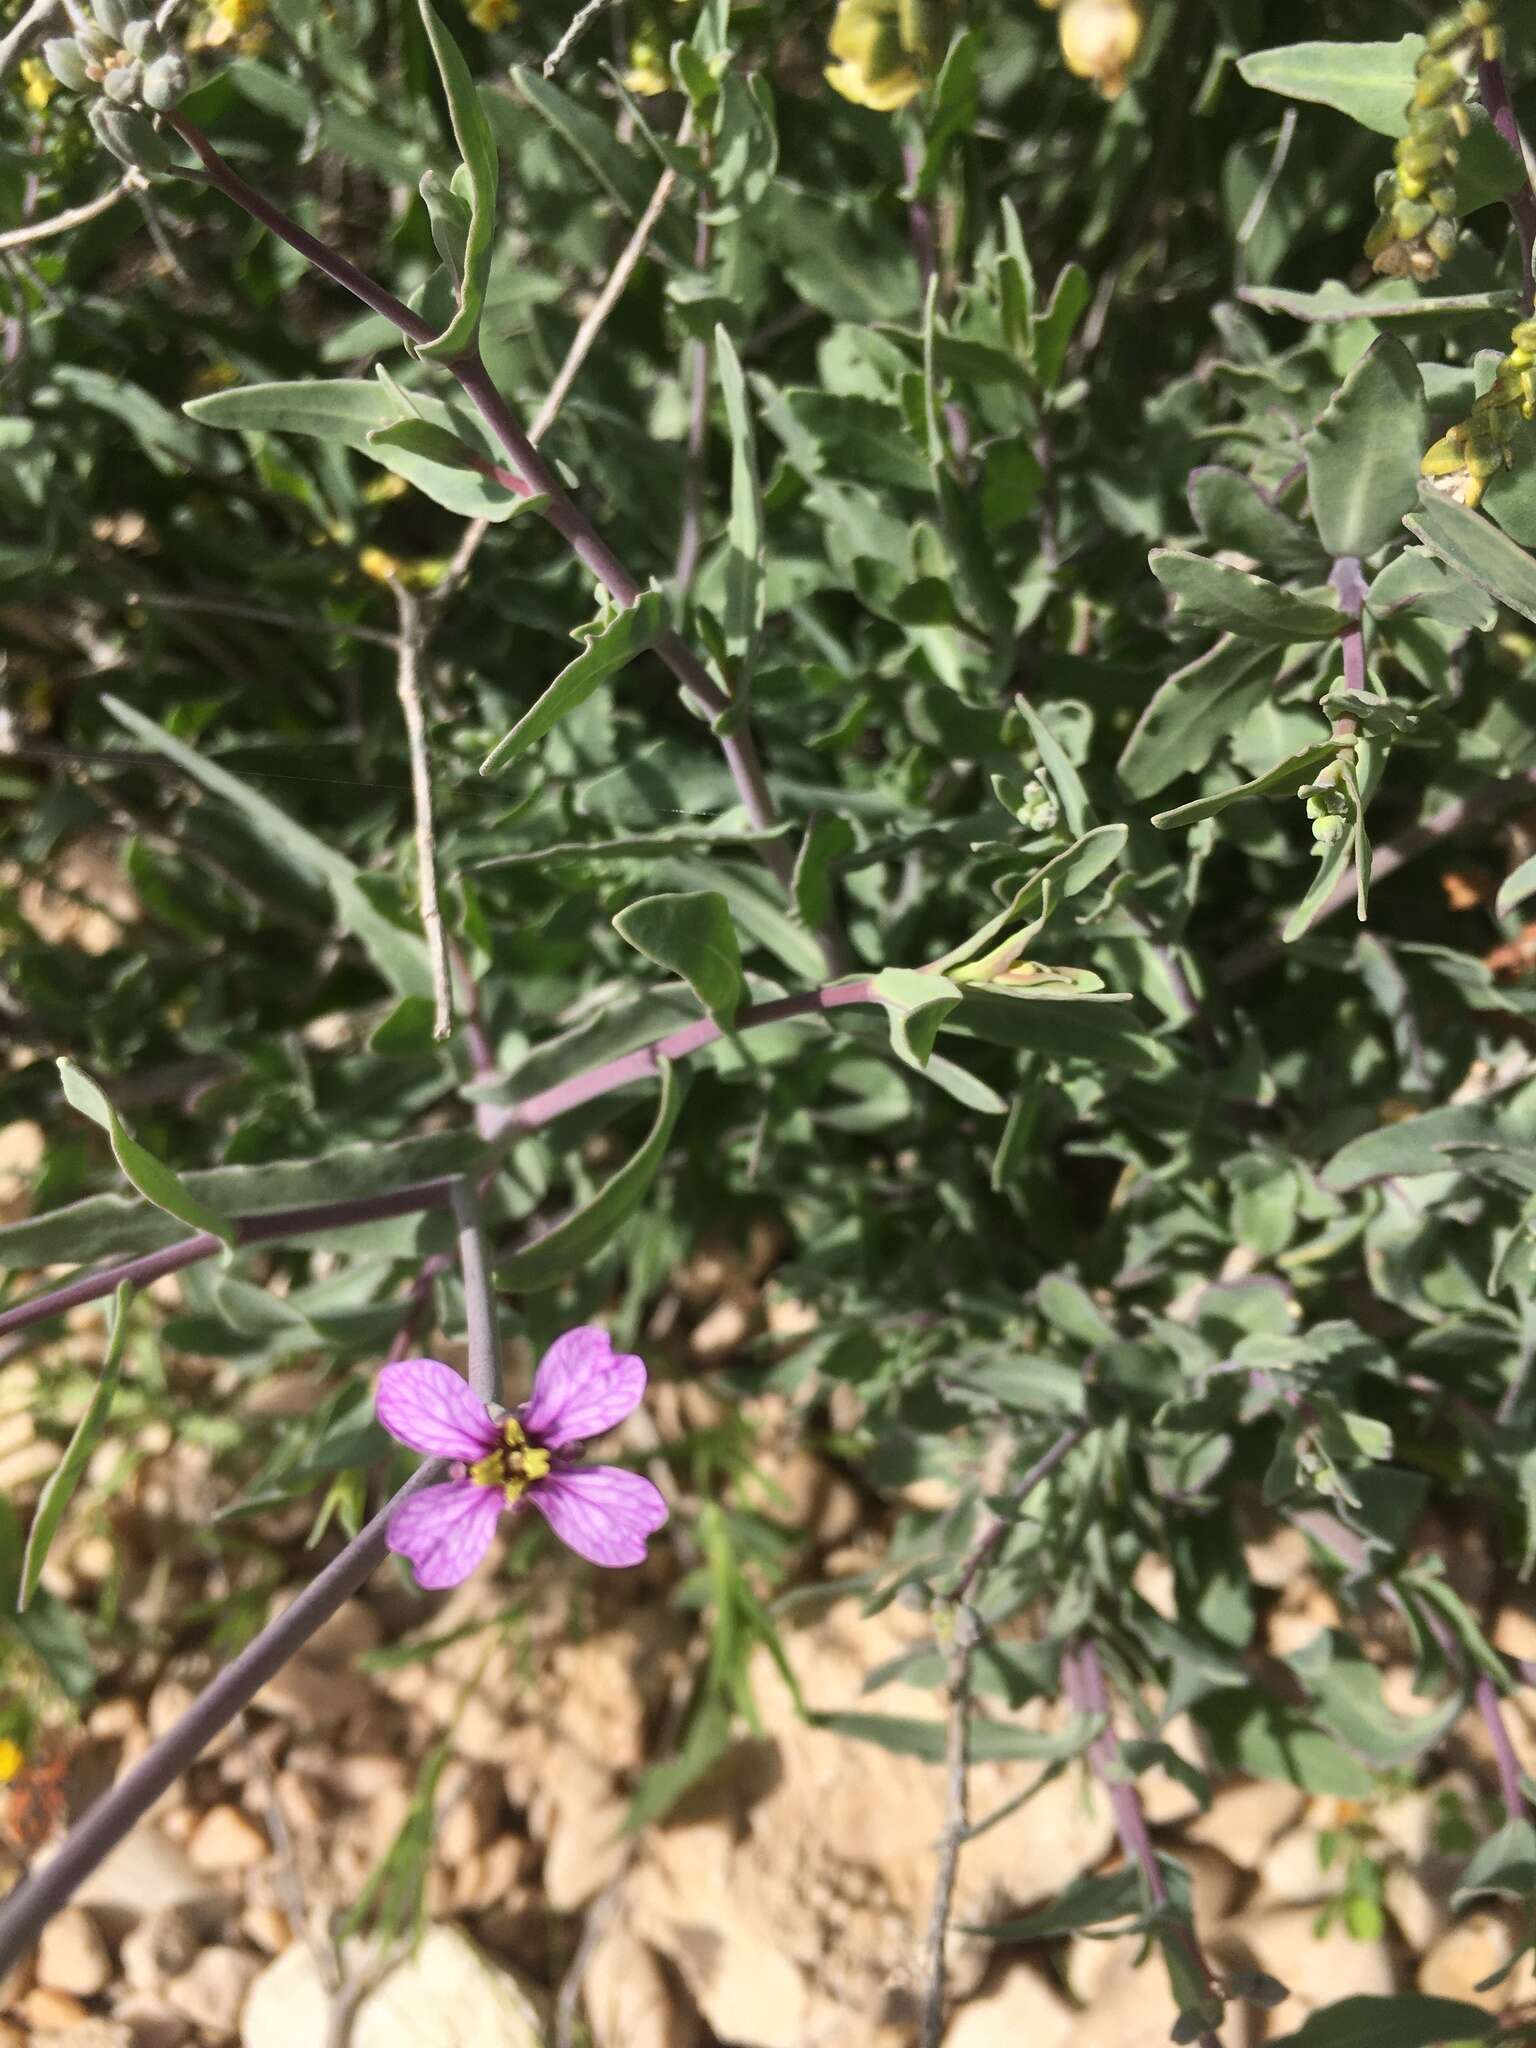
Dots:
{"x": 579, "y": 1237}
{"x": 747, "y": 534}
{"x": 690, "y": 934}
{"x": 1417, "y": 584}
{"x": 1064, "y": 876}
{"x": 1470, "y": 543}
{"x": 916, "y": 1004}
{"x": 1194, "y": 710}
{"x": 477, "y": 148}
{"x": 59, "y": 1489}
{"x": 1234, "y": 601}
{"x": 155, "y": 1181}
{"x": 1363, "y": 452}
{"x": 628, "y": 633}
{"x": 1408, "y": 2021}
{"x": 989, "y": 1741}
{"x": 1371, "y": 82}
{"x": 1509, "y": 498}
{"x": 1233, "y": 513}
{"x": 827, "y": 839}
{"x": 1284, "y": 779}
{"x": 1392, "y": 300}
{"x": 1054, "y": 327}
{"x": 1265, "y": 1738}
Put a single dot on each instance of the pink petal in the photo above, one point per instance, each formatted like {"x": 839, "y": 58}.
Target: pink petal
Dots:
{"x": 426, "y": 1405}
{"x": 582, "y": 1388}
{"x": 445, "y": 1530}
{"x": 604, "y": 1514}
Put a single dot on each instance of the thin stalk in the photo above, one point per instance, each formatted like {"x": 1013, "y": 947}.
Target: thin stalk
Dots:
{"x": 1504, "y": 1757}
{"x": 75, "y": 217}
{"x": 1493, "y": 89}
{"x": 408, "y": 690}
{"x": 484, "y": 1340}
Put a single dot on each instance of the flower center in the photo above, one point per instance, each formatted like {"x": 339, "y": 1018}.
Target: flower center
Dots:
{"x": 513, "y": 1465}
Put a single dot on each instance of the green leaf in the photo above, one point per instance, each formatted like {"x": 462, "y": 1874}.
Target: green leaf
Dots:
{"x": 351, "y": 410}
{"x": 916, "y": 1004}
{"x": 628, "y": 634}
{"x": 1371, "y": 82}
{"x": 1410, "y": 1146}
{"x": 1057, "y": 763}
{"x": 406, "y": 1033}
{"x": 827, "y": 839}
{"x": 988, "y": 1741}
{"x": 1363, "y": 453}
{"x": 624, "y": 176}
{"x": 690, "y": 934}
{"x": 951, "y": 112}
{"x": 1466, "y": 541}
{"x": 577, "y": 1240}
{"x": 400, "y": 956}
{"x": 1516, "y": 886}
{"x": 1053, "y": 329}
{"x": 420, "y": 437}
{"x": 1504, "y": 1867}
{"x": 47, "y": 1630}
{"x": 1416, "y": 585}
{"x": 1392, "y": 301}
{"x": 1190, "y": 714}
{"x": 1232, "y": 512}
{"x": 747, "y": 534}
{"x": 1407, "y": 2022}
{"x": 1284, "y": 779}
{"x": 1064, "y": 876}
{"x": 155, "y": 1181}
{"x": 477, "y": 147}
{"x": 1346, "y": 1696}
{"x": 1264, "y": 1738}
{"x": 1086, "y": 1902}
{"x": 70, "y": 1470}
{"x": 1233, "y": 601}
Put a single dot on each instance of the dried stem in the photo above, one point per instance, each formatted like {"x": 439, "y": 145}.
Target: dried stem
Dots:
{"x": 25, "y": 32}
{"x": 75, "y": 217}
{"x": 575, "y": 28}
{"x": 1493, "y": 90}
{"x": 957, "y": 1817}
{"x": 408, "y": 651}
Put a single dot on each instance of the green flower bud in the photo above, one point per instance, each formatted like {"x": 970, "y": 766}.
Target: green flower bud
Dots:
{"x": 122, "y": 83}
{"x": 66, "y": 60}
{"x": 129, "y": 136}
{"x": 140, "y": 38}
{"x": 165, "y": 83}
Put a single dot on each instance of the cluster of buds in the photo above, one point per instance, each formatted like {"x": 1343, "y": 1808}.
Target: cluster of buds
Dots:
{"x": 1331, "y": 801}
{"x": 884, "y": 50}
{"x": 123, "y": 61}
{"x": 1461, "y": 462}
{"x": 1415, "y": 231}
{"x": 1099, "y": 40}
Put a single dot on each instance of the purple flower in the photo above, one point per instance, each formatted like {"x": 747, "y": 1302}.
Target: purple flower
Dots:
{"x": 581, "y": 1389}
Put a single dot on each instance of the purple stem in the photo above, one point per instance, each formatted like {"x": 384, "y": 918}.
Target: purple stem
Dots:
{"x": 530, "y": 1115}
{"x": 984, "y": 1549}
{"x": 26, "y": 1910}
{"x": 1494, "y": 92}
{"x": 537, "y": 479}
{"x": 1349, "y": 586}
{"x": 1503, "y": 1750}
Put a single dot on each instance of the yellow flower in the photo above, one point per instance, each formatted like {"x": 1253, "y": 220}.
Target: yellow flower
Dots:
{"x": 1099, "y": 40}
{"x": 648, "y": 73}
{"x": 11, "y": 1759}
{"x": 491, "y": 15}
{"x": 384, "y": 568}
{"x": 38, "y": 84}
{"x": 880, "y": 47}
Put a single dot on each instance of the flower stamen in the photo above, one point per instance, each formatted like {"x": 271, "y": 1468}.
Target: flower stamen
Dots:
{"x": 513, "y": 1465}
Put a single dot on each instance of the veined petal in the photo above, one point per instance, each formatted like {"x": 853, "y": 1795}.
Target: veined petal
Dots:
{"x": 445, "y": 1530}
{"x": 582, "y": 1388}
{"x": 426, "y": 1405}
{"x": 604, "y": 1514}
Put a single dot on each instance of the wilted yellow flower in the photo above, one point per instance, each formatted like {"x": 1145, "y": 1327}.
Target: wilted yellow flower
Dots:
{"x": 649, "y": 72}
{"x": 1099, "y": 40}
{"x": 387, "y": 568}
{"x": 490, "y": 15}
{"x": 881, "y": 47}
{"x": 38, "y": 84}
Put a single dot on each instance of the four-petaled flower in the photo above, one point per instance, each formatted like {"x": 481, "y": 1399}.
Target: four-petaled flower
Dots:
{"x": 581, "y": 1389}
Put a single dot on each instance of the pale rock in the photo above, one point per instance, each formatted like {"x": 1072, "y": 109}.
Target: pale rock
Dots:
{"x": 788, "y": 1317}
{"x": 1134, "y": 2009}
{"x": 1278, "y": 1558}
{"x": 266, "y": 1926}
{"x": 601, "y": 1682}
{"x": 1165, "y": 1799}
{"x": 1421, "y": 1916}
{"x": 213, "y": 1991}
{"x": 1018, "y": 2006}
{"x": 1215, "y": 1882}
{"x": 172, "y": 1698}
{"x": 303, "y": 1803}
{"x": 1514, "y": 1632}
{"x": 162, "y": 1946}
{"x": 467, "y": 1825}
{"x": 1153, "y": 1580}
{"x": 581, "y": 1818}
{"x": 24, "y": 1466}
{"x": 1463, "y": 1956}
{"x": 144, "y": 1873}
{"x": 808, "y": 1497}
{"x": 723, "y": 1331}
{"x": 11, "y": 2036}
{"x": 48, "y": 2011}
{"x": 151, "y": 2024}
{"x": 366, "y": 1775}
{"x": 446, "y": 1995}
{"x": 115, "y": 1720}
{"x": 71, "y": 1955}
{"x": 312, "y": 1696}
{"x": 87, "y": 2033}
{"x": 224, "y": 1840}
{"x": 1408, "y": 1823}
{"x": 486, "y": 1877}
{"x": 1245, "y": 1819}
{"x": 1315, "y": 1969}
{"x": 628, "y": 2001}
{"x": 1293, "y": 1875}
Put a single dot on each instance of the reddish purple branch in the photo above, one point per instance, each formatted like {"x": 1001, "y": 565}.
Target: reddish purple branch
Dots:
{"x": 1494, "y": 92}
{"x": 1503, "y": 1749}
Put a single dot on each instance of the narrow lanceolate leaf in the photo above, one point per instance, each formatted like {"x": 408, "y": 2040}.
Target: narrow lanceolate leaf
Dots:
{"x": 746, "y": 536}
{"x": 630, "y": 633}
{"x": 1363, "y": 453}
{"x": 1233, "y": 601}
{"x": 351, "y": 410}
{"x": 67, "y": 1474}
{"x": 827, "y": 838}
{"x": 1284, "y": 779}
{"x": 690, "y": 934}
{"x": 987, "y": 1741}
{"x": 1466, "y": 541}
{"x": 477, "y": 147}
{"x": 399, "y": 955}
{"x": 582, "y": 1235}
{"x": 1409, "y": 2021}
{"x": 155, "y": 1181}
